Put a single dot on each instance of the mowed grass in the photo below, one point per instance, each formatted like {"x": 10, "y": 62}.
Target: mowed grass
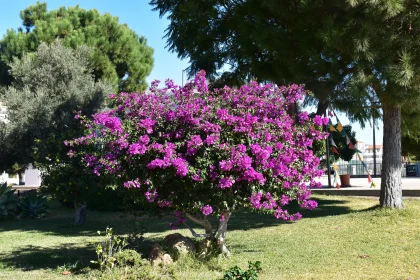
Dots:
{"x": 345, "y": 238}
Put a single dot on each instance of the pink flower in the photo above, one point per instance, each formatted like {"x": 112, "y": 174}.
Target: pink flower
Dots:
{"x": 151, "y": 195}
{"x": 225, "y": 165}
{"x": 284, "y": 200}
{"x": 318, "y": 120}
{"x": 206, "y": 210}
{"x": 181, "y": 166}
{"x": 132, "y": 184}
{"x": 196, "y": 177}
{"x": 136, "y": 149}
{"x": 71, "y": 153}
{"x": 226, "y": 182}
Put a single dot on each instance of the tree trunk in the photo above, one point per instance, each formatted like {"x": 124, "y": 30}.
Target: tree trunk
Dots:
{"x": 20, "y": 175}
{"x": 80, "y": 217}
{"x": 391, "y": 191}
{"x": 292, "y": 110}
{"x": 322, "y": 108}
{"x": 221, "y": 234}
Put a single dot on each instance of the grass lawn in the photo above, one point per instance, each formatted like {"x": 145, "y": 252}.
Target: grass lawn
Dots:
{"x": 345, "y": 238}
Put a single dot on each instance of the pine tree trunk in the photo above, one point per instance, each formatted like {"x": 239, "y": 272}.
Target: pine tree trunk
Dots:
{"x": 322, "y": 108}
{"x": 391, "y": 191}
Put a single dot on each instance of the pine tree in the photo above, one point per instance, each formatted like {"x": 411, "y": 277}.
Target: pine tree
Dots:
{"x": 120, "y": 56}
{"x": 360, "y": 56}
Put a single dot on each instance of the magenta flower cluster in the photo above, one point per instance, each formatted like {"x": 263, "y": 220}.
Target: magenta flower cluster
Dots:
{"x": 206, "y": 210}
{"x": 200, "y": 151}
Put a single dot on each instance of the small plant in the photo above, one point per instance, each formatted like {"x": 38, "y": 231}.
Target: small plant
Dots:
{"x": 67, "y": 268}
{"x": 8, "y": 201}
{"x": 129, "y": 257}
{"x": 106, "y": 250}
{"x": 236, "y": 273}
{"x": 33, "y": 206}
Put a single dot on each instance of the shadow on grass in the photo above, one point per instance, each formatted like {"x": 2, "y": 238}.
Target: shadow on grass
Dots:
{"x": 61, "y": 220}
{"x": 35, "y": 257}
{"x": 61, "y": 223}
{"x": 245, "y": 220}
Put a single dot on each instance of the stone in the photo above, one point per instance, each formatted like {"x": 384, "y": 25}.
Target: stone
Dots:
{"x": 179, "y": 245}
{"x": 166, "y": 259}
{"x": 158, "y": 257}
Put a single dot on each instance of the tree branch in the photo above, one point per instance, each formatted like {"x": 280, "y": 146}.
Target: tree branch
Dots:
{"x": 204, "y": 223}
{"x": 194, "y": 233}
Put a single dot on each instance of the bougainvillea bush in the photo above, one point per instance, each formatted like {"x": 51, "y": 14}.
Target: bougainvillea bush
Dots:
{"x": 196, "y": 152}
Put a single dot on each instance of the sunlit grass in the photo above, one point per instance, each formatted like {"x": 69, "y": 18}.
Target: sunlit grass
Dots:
{"x": 345, "y": 238}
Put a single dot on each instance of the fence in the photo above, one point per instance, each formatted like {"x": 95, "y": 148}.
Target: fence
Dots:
{"x": 357, "y": 169}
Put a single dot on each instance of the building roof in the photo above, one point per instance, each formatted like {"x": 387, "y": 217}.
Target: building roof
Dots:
{"x": 370, "y": 147}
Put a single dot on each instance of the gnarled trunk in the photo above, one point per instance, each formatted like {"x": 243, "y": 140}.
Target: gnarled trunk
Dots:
{"x": 218, "y": 235}
{"x": 391, "y": 191}
{"x": 221, "y": 234}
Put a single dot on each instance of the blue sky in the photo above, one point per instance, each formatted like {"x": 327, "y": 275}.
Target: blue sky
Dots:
{"x": 138, "y": 16}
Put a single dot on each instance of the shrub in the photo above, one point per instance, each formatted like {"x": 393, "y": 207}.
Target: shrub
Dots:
{"x": 236, "y": 273}
{"x": 8, "y": 201}
{"x": 107, "y": 249}
{"x": 33, "y": 205}
{"x": 71, "y": 185}
{"x": 199, "y": 152}
{"x": 128, "y": 257}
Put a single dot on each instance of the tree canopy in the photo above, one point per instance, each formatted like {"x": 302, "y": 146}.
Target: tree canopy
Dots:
{"x": 119, "y": 55}
{"x": 360, "y": 56}
{"x": 48, "y": 86}
{"x": 263, "y": 40}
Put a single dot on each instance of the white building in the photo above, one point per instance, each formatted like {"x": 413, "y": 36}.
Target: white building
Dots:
{"x": 368, "y": 154}
{"x": 32, "y": 176}
{"x": 355, "y": 167}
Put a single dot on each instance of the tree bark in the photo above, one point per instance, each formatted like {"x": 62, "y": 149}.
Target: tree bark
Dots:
{"x": 292, "y": 110}
{"x": 80, "y": 217}
{"x": 391, "y": 191}
{"x": 221, "y": 234}
{"x": 203, "y": 222}
{"x": 322, "y": 108}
